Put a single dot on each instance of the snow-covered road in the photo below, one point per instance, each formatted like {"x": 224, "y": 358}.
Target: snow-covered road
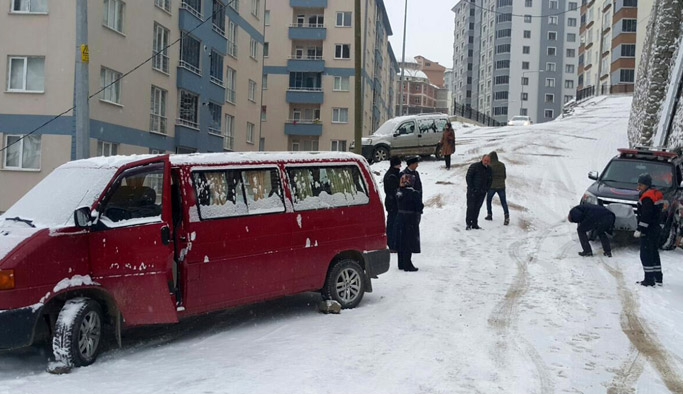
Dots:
{"x": 507, "y": 309}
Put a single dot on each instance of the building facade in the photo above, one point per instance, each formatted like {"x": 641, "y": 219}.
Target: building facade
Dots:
{"x": 418, "y": 94}
{"x": 515, "y": 57}
{"x": 185, "y": 99}
{"x": 611, "y": 34}
{"x": 309, "y": 74}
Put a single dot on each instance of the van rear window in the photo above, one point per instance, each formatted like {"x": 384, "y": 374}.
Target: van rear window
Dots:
{"x": 323, "y": 187}
{"x": 228, "y": 193}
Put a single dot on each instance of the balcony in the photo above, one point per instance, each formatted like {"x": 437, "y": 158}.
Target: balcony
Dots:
{"x": 306, "y": 64}
{"x": 300, "y": 95}
{"x": 304, "y": 127}
{"x": 311, "y": 32}
{"x": 308, "y": 3}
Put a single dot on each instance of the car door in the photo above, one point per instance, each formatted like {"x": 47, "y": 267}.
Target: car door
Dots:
{"x": 405, "y": 139}
{"x": 130, "y": 248}
{"x": 431, "y": 131}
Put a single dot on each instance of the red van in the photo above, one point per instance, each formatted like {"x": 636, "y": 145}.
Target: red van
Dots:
{"x": 113, "y": 242}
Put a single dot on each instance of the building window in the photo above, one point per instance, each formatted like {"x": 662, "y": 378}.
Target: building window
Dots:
{"x": 526, "y": 49}
{"x": 569, "y": 69}
{"x": 341, "y": 84}
{"x": 215, "y": 111}
{"x": 503, "y": 33}
{"x": 550, "y": 82}
{"x": 525, "y": 96}
{"x": 525, "y": 65}
{"x": 552, "y": 20}
{"x": 569, "y": 84}
{"x": 527, "y": 18}
{"x": 264, "y": 113}
{"x": 234, "y": 4}
{"x": 502, "y": 79}
{"x": 525, "y": 81}
{"x": 188, "y": 114}
{"x": 571, "y": 22}
{"x": 626, "y": 75}
{"x": 250, "y": 133}
{"x": 548, "y": 113}
{"x": 568, "y": 98}
{"x": 552, "y": 35}
{"x": 338, "y": 146}
{"x": 527, "y": 33}
{"x": 157, "y": 119}
{"x": 266, "y": 49}
{"x": 160, "y": 46}
{"x": 343, "y": 19}
{"x": 500, "y": 95}
{"x": 253, "y": 49}
{"x": 107, "y": 148}
{"x": 190, "y": 53}
{"x": 231, "y": 84}
{"x": 502, "y": 64}
{"x": 528, "y": 3}
{"x": 497, "y": 111}
{"x": 552, "y": 51}
{"x": 256, "y": 8}
{"x": 553, "y": 4}
{"x": 113, "y": 14}
{"x": 216, "y": 70}
{"x": 22, "y": 152}
{"x": 571, "y": 52}
{"x": 264, "y": 82}
{"x": 232, "y": 39}
{"x": 229, "y": 137}
{"x": 26, "y": 74}
{"x": 266, "y": 17}
{"x": 163, "y": 4}
{"x": 630, "y": 3}
{"x": 573, "y": 6}
{"x": 549, "y": 98}
{"x": 507, "y": 17}
{"x": 628, "y": 50}
{"x": 628, "y": 25}
{"x": 218, "y": 17}
{"x": 342, "y": 51}
{"x": 340, "y": 115}
{"x": 110, "y": 82}
{"x": 550, "y": 67}
{"x": 503, "y": 48}
{"x": 252, "y": 91}
{"x": 571, "y": 37}
{"x": 29, "y": 6}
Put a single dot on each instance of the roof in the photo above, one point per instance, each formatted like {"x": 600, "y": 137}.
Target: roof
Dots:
{"x": 259, "y": 157}
{"x": 410, "y": 72}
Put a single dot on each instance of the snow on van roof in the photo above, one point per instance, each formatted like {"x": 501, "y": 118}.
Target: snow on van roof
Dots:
{"x": 257, "y": 157}
{"x": 106, "y": 162}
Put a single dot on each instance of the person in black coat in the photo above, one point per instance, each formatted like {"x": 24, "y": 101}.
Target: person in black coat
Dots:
{"x": 391, "y": 184}
{"x": 592, "y": 218}
{"x": 408, "y": 223}
{"x": 411, "y": 169}
{"x": 478, "y": 183}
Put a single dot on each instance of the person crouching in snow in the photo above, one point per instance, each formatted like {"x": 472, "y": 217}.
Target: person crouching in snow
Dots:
{"x": 407, "y": 235}
{"x": 592, "y": 218}
{"x": 649, "y": 212}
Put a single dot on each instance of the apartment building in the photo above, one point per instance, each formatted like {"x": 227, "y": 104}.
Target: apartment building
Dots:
{"x": 201, "y": 94}
{"x": 611, "y": 36}
{"x": 515, "y": 57}
{"x": 420, "y": 93}
{"x": 308, "y": 97}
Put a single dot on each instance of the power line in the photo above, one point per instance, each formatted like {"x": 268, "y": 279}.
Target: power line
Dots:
{"x": 518, "y": 15}
{"x": 183, "y": 34}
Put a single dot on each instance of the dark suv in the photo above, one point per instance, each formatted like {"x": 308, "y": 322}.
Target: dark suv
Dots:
{"x": 617, "y": 185}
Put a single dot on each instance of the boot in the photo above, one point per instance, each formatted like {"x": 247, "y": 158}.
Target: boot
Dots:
{"x": 507, "y": 220}
{"x": 489, "y": 217}
{"x": 585, "y": 254}
{"x": 607, "y": 253}
{"x": 648, "y": 281}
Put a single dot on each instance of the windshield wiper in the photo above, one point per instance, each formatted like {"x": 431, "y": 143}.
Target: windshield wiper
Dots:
{"x": 18, "y": 219}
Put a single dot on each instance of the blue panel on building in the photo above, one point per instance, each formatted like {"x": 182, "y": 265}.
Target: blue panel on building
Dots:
{"x": 308, "y": 3}
{"x": 304, "y": 97}
{"x": 305, "y": 65}
{"x": 307, "y": 129}
{"x": 307, "y": 33}
{"x": 186, "y": 137}
{"x": 186, "y": 79}
{"x": 187, "y": 21}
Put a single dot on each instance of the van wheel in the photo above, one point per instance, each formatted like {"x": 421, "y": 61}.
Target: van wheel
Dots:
{"x": 78, "y": 333}
{"x": 345, "y": 284}
{"x": 380, "y": 154}
{"x": 437, "y": 153}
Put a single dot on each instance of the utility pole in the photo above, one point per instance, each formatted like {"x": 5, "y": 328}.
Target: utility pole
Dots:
{"x": 403, "y": 60}
{"x": 81, "y": 85}
{"x": 358, "y": 108}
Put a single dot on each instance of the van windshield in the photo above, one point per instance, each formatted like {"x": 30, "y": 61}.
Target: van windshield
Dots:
{"x": 52, "y": 202}
{"x": 387, "y": 128}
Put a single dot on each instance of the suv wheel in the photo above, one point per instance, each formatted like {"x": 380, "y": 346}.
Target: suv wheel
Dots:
{"x": 669, "y": 233}
{"x": 380, "y": 154}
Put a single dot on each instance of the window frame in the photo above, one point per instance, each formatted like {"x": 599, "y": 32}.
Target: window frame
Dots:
{"x": 22, "y": 139}
{"x": 119, "y": 18}
{"x": 343, "y": 15}
{"x": 160, "y": 50}
{"x": 110, "y": 84}
{"x": 158, "y": 110}
{"x": 25, "y": 60}
{"x": 340, "y": 48}
{"x": 338, "y": 111}
{"x": 14, "y": 11}
{"x": 292, "y": 188}
{"x": 340, "y": 87}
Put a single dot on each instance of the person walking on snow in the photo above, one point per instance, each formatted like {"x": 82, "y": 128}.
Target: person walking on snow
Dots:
{"x": 478, "y": 183}
{"x": 649, "y": 212}
{"x": 391, "y": 184}
{"x": 408, "y": 223}
{"x": 448, "y": 144}
{"x": 498, "y": 176}
{"x": 592, "y": 217}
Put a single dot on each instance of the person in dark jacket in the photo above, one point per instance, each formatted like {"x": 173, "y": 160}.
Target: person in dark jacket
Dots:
{"x": 498, "y": 176}
{"x": 408, "y": 222}
{"x": 391, "y": 184}
{"x": 593, "y": 218}
{"x": 478, "y": 183}
{"x": 411, "y": 169}
{"x": 649, "y": 212}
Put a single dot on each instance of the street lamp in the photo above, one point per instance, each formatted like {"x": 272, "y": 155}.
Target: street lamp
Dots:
{"x": 521, "y": 105}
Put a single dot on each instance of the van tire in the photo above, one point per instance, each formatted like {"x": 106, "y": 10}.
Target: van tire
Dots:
{"x": 78, "y": 332}
{"x": 437, "y": 153}
{"x": 345, "y": 284}
{"x": 380, "y": 153}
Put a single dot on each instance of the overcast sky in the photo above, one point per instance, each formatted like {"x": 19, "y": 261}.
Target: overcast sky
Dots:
{"x": 430, "y": 29}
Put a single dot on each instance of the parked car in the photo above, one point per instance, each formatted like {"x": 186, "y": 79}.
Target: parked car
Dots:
{"x": 406, "y": 135}
{"x": 108, "y": 243}
{"x": 617, "y": 186}
{"x": 520, "y": 120}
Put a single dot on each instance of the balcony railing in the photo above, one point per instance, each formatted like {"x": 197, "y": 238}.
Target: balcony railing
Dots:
{"x": 303, "y": 121}
{"x": 305, "y": 89}
{"x": 217, "y": 81}
{"x": 189, "y": 67}
{"x": 218, "y": 29}
{"x": 187, "y": 123}
{"x": 191, "y": 10}
{"x": 308, "y": 25}
{"x": 215, "y": 131}
{"x": 306, "y": 57}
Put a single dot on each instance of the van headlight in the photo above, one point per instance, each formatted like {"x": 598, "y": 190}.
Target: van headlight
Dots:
{"x": 589, "y": 198}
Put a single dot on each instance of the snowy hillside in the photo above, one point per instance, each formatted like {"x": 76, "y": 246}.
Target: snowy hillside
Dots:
{"x": 507, "y": 309}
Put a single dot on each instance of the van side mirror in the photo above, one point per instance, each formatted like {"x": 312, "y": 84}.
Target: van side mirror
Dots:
{"x": 82, "y": 217}
{"x": 593, "y": 175}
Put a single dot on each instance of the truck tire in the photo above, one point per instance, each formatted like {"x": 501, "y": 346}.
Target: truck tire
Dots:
{"x": 668, "y": 236}
{"x": 78, "y": 332}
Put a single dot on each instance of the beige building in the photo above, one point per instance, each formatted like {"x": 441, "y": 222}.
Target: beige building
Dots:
{"x": 200, "y": 94}
{"x": 308, "y": 96}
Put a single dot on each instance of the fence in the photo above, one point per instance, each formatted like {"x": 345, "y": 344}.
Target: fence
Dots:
{"x": 591, "y": 91}
{"x": 467, "y": 112}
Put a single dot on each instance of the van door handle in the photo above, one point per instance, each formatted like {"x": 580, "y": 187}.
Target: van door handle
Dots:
{"x": 165, "y": 235}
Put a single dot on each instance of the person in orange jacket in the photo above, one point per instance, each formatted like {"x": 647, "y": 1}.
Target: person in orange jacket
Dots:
{"x": 649, "y": 212}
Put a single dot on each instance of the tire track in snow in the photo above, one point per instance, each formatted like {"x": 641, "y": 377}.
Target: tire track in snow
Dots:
{"x": 645, "y": 343}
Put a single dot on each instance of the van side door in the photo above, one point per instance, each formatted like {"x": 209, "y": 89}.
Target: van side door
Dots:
{"x": 405, "y": 139}
{"x": 131, "y": 253}
{"x": 431, "y": 131}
